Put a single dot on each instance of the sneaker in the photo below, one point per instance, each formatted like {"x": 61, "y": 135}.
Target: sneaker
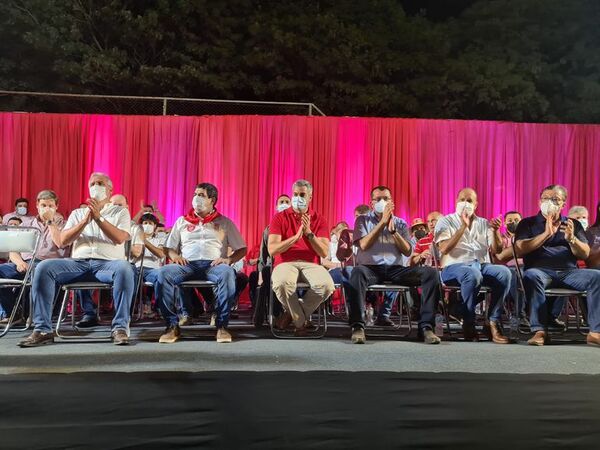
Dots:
{"x": 556, "y": 326}
{"x": 185, "y": 321}
{"x": 87, "y": 322}
{"x": 429, "y": 337}
{"x": 223, "y": 336}
{"x": 358, "y": 335}
{"x": 171, "y": 335}
{"x": 119, "y": 337}
{"x": 36, "y": 339}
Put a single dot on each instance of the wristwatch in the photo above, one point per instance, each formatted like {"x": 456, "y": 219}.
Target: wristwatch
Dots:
{"x": 394, "y": 231}
{"x": 572, "y": 240}
{"x": 49, "y": 222}
{"x": 310, "y": 236}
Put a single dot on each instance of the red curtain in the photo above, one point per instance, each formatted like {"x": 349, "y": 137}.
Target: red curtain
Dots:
{"x": 252, "y": 159}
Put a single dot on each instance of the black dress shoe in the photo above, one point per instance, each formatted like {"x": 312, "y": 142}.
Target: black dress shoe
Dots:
{"x": 384, "y": 322}
{"x": 87, "y": 323}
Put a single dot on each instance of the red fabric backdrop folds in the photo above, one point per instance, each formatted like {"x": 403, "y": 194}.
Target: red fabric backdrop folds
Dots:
{"x": 252, "y": 159}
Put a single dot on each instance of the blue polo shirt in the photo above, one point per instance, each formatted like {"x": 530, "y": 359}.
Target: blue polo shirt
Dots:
{"x": 556, "y": 252}
{"x": 384, "y": 250}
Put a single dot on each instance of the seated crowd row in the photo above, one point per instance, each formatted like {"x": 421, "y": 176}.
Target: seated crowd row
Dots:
{"x": 470, "y": 252}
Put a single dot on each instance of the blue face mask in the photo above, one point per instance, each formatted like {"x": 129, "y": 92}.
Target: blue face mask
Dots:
{"x": 299, "y": 203}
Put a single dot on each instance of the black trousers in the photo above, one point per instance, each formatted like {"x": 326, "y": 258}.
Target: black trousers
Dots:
{"x": 363, "y": 276}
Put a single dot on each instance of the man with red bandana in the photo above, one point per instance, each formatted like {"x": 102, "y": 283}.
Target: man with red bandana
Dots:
{"x": 197, "y": 247}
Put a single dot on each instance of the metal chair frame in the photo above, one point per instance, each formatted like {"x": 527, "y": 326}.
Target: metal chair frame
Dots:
{"x": 10, "y": 242}
{"x": 572, "y": 295}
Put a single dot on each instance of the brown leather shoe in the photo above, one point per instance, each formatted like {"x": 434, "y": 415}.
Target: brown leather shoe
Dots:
{"x": 119, "y": 337}
{"x": 171, "y": 335}
{"x": 470, "y": 333}
{"x": 36, "y": 339}
{"x": 539, "y": 338}
{"x": 301, "y": 332}
{"x": 223, "y": 336}
{"x": 593, "y": 338}
{"x": 283, "y": 321}
{"x": 496, "y": 335}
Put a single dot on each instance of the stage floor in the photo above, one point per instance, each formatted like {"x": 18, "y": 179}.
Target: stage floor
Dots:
{"x": 257, "y": 350}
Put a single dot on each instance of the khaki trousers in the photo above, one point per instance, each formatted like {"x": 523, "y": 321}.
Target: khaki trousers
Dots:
{"x": 285, "y": 278}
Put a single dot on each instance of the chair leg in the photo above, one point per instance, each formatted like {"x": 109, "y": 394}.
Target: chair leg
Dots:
{"x": 63, "y": 307}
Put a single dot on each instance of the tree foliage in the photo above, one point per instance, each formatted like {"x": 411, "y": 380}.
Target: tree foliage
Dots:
{"x": 532, "y": 60}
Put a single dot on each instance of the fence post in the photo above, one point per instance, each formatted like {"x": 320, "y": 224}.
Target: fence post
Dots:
{"x": 310, "y": 109}
{"x": 164, "y": 107}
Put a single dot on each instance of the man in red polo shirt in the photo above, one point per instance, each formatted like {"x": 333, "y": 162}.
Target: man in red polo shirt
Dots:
{"x": 298, "y": 239}
{"x": 422, "y": 249}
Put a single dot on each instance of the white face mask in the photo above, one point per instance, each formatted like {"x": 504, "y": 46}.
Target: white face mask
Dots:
{"x": 148, "y": 229}
{"x": 199, "y": 203}
{"x": 22, "y": 210}
{"x": 379, "y": 207}
{"x": 467, "y": 207}
{"x": 98, "y": 192}
{"x": 584, "y": 223}
{"x": 282, "y": 207}
{"x": 549, "y": 208}
{"x": 299, "y": 203}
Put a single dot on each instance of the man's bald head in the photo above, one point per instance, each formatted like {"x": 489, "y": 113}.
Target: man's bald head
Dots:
{"x": 119, "y": 200}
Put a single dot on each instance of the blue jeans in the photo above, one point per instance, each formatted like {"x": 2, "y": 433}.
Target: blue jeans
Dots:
{"x": 470, "y": 277}
{"x": 171, "y": 275}
{"x": 538, "y": 280}
{"x": 150, "y": 276}
{"x": 7, "y": 295}
{"x": 52, "y": 273}
{"x": 87, "y": 304}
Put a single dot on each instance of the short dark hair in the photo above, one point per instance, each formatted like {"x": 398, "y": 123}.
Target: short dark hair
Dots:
{"x": 158, "y": 225}
{"x": 21, "y": 200}
{"x": 557, "y": 187}
{"x": 512, "y": 212}
{"x": 149, "y": 217}
{"x": 18, "y": 219}
{"x": 362, "y": 209}
{"x": 211, "y": 191}
{"x": 380, "y": 188}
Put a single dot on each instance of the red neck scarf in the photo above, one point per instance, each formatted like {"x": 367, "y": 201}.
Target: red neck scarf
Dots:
{"x": 192, "y": 218}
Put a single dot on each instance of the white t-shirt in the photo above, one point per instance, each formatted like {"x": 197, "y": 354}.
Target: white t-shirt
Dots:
{"x": 473, "y": 245}
{"x": 152, "y": 261}
{"x": 92, "y": 242}
{"x": 205, "y": 242}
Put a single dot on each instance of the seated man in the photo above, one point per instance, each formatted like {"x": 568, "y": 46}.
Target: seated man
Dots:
{"x": 298, "y": 238}
{"x": 511, "y": 221}
{"x": 154, "y": 256}
{"x": 465, "y": 241}
{"x": 21, "y": 211}
{"x": 98, "y": 234}
{"x": 382, "y": 240}
{"x": 48, "y": 247}
{"x": 593, "y": 237}
{"x": 346, "y": 251}
{"x": 550, "y": 245}
{"x": 424, "y": 248}
{"x": 197, "y": 247}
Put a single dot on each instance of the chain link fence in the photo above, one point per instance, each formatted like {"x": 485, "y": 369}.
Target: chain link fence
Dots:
{"x": 133, "y": 105}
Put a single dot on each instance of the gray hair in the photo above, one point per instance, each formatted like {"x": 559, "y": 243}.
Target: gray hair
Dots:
{"x": 577, "y": 209}
{"x": 556, "y": 187}
{"x": 103, "y": 175}
{"x": 303, "y": 183}
{"x": 47, "y": 194}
